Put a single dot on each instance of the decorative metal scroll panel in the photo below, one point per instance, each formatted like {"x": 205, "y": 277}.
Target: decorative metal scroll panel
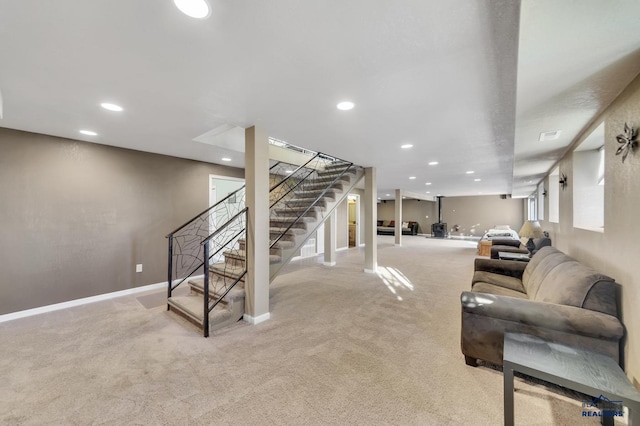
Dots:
{"x": 188, "y": 252}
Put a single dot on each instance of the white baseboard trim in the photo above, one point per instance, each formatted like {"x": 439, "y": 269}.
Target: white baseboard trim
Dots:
{"x": 256, "y": 320}
{"x": 84, "y": 301}
{"x": 342, "y": 248}
{"x": 397, "y": 245}
{"x": 371, "y": 271}
{"x": 329, "y": 263}
{"x": 362, "y": 245}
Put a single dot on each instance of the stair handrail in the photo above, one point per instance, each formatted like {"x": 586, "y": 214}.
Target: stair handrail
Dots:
{"x": 205, "y": 211}
{"x": 312, "y": 204}
{"x": 293, "y": 173}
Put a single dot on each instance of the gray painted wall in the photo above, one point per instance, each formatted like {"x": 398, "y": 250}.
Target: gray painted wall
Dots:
{"x": 77, "y": 217}
{"x": 475, "y": 215}
{"x": 424, "y": 212}
{"x": 615, "y": 251}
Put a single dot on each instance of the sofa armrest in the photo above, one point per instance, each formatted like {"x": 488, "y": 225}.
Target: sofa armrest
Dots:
{"x": 511, "y": 268}
{"x": 505, "y": 242}
{"x": 563, "y": 318}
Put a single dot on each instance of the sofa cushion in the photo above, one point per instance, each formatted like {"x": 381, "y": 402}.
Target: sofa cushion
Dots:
{"x": 543, "y": 262}
{"x": 392, "y": 223}
{"x": 501, "y": 280}
{"x": 569, "y": 284}
{"x": 483, "y": 287}
{"x": 380, "y": 222}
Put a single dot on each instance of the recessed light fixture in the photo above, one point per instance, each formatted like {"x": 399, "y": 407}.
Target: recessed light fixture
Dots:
{"x": 379, "y": 198}
{"x": 412, "y": 177}
{"x": 345, "y": 106}
{"x": 477, "y": 180}
{"x": 388, "y": 195}
{"x": 549, "y": 136}
{"x": 226, "y": 159}
{"x": 406, "y": 146}
{"x": 111, "y": 107}
{"x": 469, "y": 172}
{"x": 439, "y": 195}
{"x": 289, "y": 171}
{"x": 433, "y": 163}
{"x": 404, "y": 198}
{"x": 428, "y": 183}
{"x": 198, "y": 9}
{"x": 428, "y": 192}
{"x": 88, "y": 132}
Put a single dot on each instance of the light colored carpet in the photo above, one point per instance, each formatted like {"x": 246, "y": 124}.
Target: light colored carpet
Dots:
{"x": 342, "y": 347}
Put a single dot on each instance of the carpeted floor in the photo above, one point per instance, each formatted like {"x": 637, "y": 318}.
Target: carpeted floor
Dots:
{"x": 342, "y": 347}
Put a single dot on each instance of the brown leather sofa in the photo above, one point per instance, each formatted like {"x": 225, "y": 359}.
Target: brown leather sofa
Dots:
{"x": 553, "y": 296}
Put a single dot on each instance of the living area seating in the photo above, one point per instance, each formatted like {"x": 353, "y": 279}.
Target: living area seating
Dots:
{"x": 553, "y": 297}
{"x": 386, "y": 227}
{"x": 515, "y": 246}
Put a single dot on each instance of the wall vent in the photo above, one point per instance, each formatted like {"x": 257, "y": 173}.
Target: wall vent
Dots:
{"x": 550, "y": 136}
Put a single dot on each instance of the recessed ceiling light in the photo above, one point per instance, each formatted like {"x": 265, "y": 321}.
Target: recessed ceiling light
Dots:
{"x": 433, "y": 163}
{"x": 439, "y": 195}
{"x": 477, "y": 180}
{"x": 549, "y": 136}
{"x": 345, "y": 106}
{"x": 289, "y": 171}
{"x": 379, "y": 198}
{"x": 404, "y": 198}
{"x": 88, "y": 133}
{"x": 412, "y": 177}
{"x": 428, "y": 183}
{"x": 469, "y": 172}
{"x": 428, "y": 192}
{"x": 388, "y": 195}
{"x": 406, "y": 146}
{"x": 111, "y": 107}
{"x": 226, "y": 159}
{"x": 198, "y": 9}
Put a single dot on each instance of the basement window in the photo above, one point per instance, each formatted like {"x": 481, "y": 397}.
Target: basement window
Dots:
{"x": 588, "y": 182}
{"x": 553, "y": 196}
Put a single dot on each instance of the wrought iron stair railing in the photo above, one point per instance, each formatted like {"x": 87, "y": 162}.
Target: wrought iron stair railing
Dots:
{"x": 186, "y": 250}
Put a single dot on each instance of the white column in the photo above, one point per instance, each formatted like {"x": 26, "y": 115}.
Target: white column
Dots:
{"x": 398, "y": 217}
{"x": 330, "y": 239}
{"x": 257, "y": 200}
{"x": 370, "y": 218}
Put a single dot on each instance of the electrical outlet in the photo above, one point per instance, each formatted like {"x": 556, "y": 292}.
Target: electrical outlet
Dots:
{"x": 139, "y": 267}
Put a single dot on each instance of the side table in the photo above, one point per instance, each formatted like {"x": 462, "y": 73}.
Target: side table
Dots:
{"x": 484, "y": 248}
{"x": 584, "y": 371}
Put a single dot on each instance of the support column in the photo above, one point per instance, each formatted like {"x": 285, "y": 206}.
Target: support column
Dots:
{"x": 398, "y": 217}
{"x": 256, "y": 176}
{"x": 370, "y": 218}
{"x": 330, "y": 239}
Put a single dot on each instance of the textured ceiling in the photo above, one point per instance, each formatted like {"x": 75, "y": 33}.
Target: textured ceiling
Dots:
{"x": 439, "y": 75}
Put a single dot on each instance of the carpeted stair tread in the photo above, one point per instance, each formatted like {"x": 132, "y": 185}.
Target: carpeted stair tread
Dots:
{"x": 291, "y": 231}
{"x": 290, "y": 219}
{"x": 226, "y": 270}
{"x": 241, "y": 255}
{"x": 237, "y": 292}
{"x": 315, "y": 193}
{"x": 192, "y": 306}
{"x": 299, "y": 210}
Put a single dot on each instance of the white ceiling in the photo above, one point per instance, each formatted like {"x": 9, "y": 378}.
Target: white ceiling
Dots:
{"x": 443, "y": 76}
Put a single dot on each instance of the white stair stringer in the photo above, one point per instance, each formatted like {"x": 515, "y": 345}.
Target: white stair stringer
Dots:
{"x": 296, "y": 237}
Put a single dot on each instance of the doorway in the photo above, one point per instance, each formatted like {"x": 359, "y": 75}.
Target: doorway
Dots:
{"x": 353, "y": 220}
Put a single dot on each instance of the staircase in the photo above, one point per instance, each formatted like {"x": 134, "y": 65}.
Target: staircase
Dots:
{"x": 300, "y": 201}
